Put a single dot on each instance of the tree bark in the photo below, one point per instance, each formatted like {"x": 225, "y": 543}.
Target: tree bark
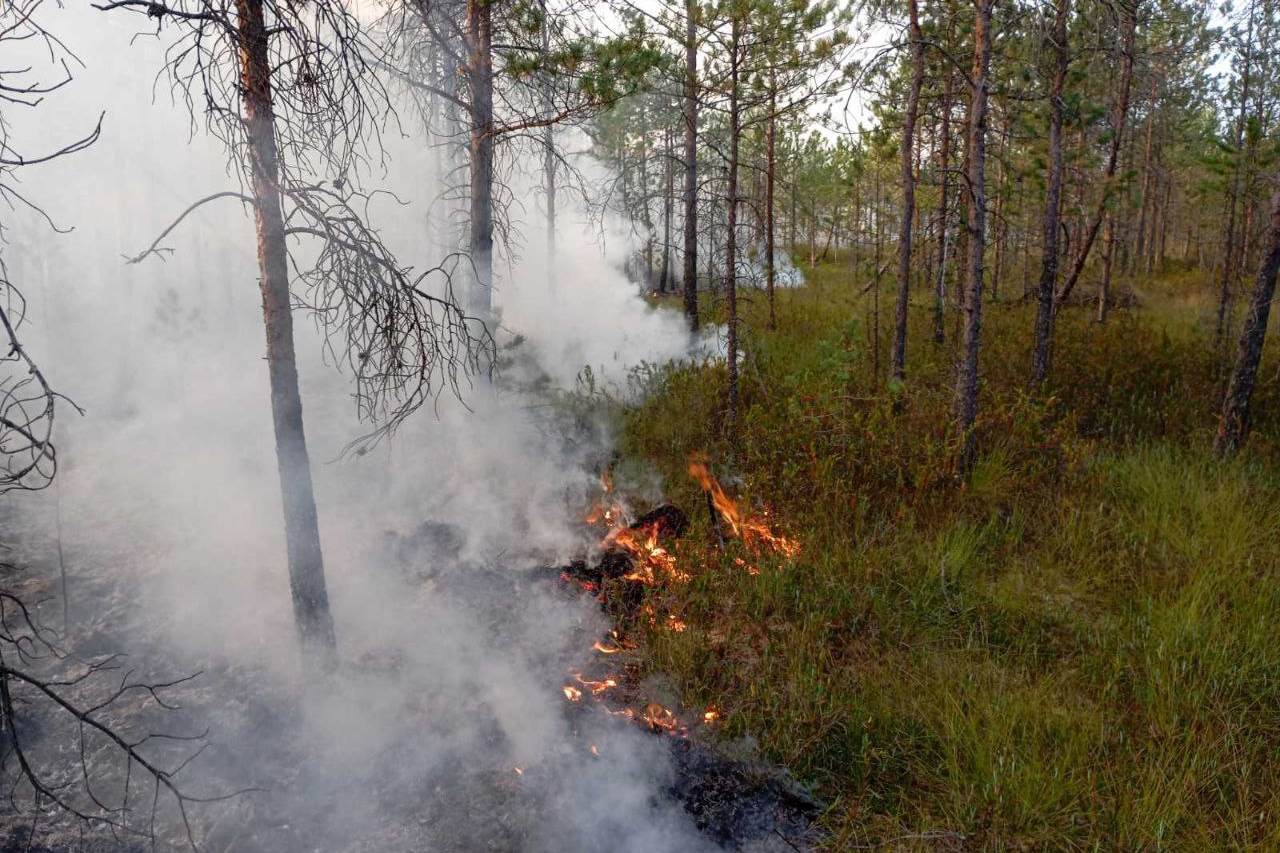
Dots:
{"x": 1045, "y": 291}
{"x": 301, "y": 525}
{"x": 1108, "y": 253}
{"x": 480, "y": 80}
{"x": 898, "y": 366}
{"x": 770, "y": 176}
{"x": 1234, "y": 425}
{"x": 690, "y": 271}
{"x": 549, "y": 151}
{"x": 944, "y": 157}
{"x": 966, "y": 394}
{"x": 668, "y": 208}
{"x": 731, "y": 238}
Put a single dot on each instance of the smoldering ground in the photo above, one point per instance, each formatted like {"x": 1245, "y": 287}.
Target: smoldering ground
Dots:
{"x": 166, "y": 516}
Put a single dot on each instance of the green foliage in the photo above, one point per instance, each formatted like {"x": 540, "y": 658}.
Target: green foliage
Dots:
{"x": 1079, "y": 650}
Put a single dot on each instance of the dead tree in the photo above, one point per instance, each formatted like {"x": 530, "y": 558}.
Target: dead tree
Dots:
{"x": 123, "y": 772}
{"x": 28, "y": 403}
{"x": 291, "y": 90}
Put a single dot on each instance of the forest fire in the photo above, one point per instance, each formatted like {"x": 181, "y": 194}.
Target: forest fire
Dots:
{"x": 634, "y": 555}
{"x": 754, "y": 533}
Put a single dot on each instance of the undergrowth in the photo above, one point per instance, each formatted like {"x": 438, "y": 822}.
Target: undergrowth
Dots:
{"x": 1075, "y": 650}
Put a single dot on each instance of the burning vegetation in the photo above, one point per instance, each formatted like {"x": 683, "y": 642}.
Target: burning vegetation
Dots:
{"x": 636, "y": 558}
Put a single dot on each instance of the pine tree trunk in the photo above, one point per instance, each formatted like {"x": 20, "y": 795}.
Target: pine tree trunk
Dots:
{"x": 944, "y": 160}
{"x": 1045, "y": 291}
{"x": 770, "y": 175}
{"x": 480, "y": 80}
{"x": 1234, "y": 425}
{"x": 690, "y": 271}
{"x": 899, "y": 356}
{"x": 301, "y": 526}
{"x": 549, "y": 153}
{"x": 1108, "y": 252}
{"x": 966, "y": 395}
{"x": 668, "y": 208}
{"x": 731, "y": 239}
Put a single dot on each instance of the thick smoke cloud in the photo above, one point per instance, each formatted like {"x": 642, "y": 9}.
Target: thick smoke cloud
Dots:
{"x": 167, "y": 507}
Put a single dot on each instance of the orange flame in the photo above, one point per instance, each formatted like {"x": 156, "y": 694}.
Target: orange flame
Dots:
{"x": 755, "y": 533}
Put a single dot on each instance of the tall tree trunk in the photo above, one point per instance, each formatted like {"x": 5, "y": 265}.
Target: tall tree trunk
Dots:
{"x": 1234, "y": 425}
{"x": 668, "y": 207}
{"x": 1139, "y": 248}
{"x": 731, "y": 240}
{"x": 770, "y": 175}
{"x": 1041, "y": 354}
{"x": 944, "y": 166}
{"x": 1226, "y": 282}
{"x": 690, "y": 272}
{"x": 480, "y": 80}
{"x": 301, "y": 526}
{"x": 966, "y": 395}
{"x": 549, "y": 151}
{"x": 899, "y": 357}
{"x": 1119, "y": 115}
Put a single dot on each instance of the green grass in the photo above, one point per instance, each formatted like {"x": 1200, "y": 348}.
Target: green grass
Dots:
{"x": 1077, "y": 650}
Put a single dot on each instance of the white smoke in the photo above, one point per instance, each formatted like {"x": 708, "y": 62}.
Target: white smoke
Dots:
{"x": 168, "y": 505}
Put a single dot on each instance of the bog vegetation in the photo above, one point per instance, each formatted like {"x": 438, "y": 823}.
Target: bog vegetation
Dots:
{"x": 976, "y": 394}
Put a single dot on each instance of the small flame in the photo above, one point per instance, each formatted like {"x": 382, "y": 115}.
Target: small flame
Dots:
{"x": 519, "y": 771}
{"x": 711, "y": 715}
{"x": 754, "y": 533}
{"x": 572, "y": 693}
{"x": 675, "y": 623}
{"x": 659, "y": 718}
{"x": 594, "y": 751}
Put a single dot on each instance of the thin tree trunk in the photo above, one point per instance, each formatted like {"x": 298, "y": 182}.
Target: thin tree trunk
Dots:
{"x": 1234, "y": 425}
{"x": 899, "y": 356}
{"x": 549, "y": 152}
{"x": 1108, "y": 252}
{"x": 1226, "y": 283}
{"x": 301, "y": 525}
{"x": 966, "y": 395}
{"x": 770, "y": 175}
{"x": 944, "y": 157}
{"x": 668, "y": 209}
{"x": 690, "y": 273}
{"x": 731, "y": 241}
{"x": 480, "y": 79}
{"x": 1041, "y": 353}
{"x": 1120, "y": 113}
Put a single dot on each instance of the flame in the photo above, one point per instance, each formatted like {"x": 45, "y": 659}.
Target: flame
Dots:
{"x": 755, "y": 533}
{"x": 650, "y": 559}
{"x": 595, "y": 751}
{"x": 710, "y": 716}
{"x": 519, "y": 771}
{"x": 659, "y": 717}
{"x": 675, "y": 623}
{"x": 572, "y": 693}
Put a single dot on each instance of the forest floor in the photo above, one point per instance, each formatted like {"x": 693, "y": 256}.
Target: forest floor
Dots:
{"x": 1079, "y": 649}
